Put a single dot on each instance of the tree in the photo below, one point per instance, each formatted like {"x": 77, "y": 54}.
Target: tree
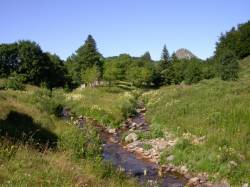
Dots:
{"x": 243, "y": 49}
{"x": 8, "y": 59}
{"x": 140, "y": 76}
{"x": 178, "y": 67}
{"x": 168, "y": 75}
{"x": 90, "y": 75}
{"x": 237, "y": 40}
{"x": 229, "y": 66}
{"x": 57, "y": 72}
{"x": 193, "y": 73}
{"x": 209, "y": 69}
{"x": 115, "y": 67}
{"x": 146, "y": 57}
{"x": 26, "y": 59}
{"x": 165, "y": 60}
{"x": 86, "y": 56}
{"x": 112, "y": 71}
{"x": 33, "y": 63}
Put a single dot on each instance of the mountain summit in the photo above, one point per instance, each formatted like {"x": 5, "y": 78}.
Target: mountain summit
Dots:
{"x": 184, "y": 54}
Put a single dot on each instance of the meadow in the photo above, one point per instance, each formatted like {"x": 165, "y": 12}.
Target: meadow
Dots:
{"x": 39, "y": 148}
{"x": 215, "y": 111}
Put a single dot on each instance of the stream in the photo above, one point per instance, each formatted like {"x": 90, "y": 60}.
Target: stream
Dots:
{"x": 133, "y": 165}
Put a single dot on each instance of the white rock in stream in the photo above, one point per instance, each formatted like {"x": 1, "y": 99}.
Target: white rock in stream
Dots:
{"x": 111, "y": 131}
{"x": 132, "y": 137}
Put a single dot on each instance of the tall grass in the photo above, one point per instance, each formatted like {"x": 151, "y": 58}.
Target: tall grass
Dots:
{"x": 215, "y": 109}
{"x": 109, "y": 105}
{"x": 75, "y": 161}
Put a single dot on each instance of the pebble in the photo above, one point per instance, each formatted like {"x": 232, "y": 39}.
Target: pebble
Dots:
{"x": 193, "y": 182}
{"x": 183, "y": 170}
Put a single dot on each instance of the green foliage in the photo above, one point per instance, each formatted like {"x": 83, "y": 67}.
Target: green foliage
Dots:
{"x": 168, "y": 75}
{"x": 15, "y": 82}
{"x": 229, "y": 66}
{"x": 209, "y": 70}
{"x": 155, "y": 132}
{"x": 8, "y": 58}
{"x": 109, "y": 105}
{"x": 28, "y": 60}
{"x": 237, "y": 40}
{"x": 139, "y": 76}
{"x": 116, "y": 67}
{"x": 128, "y": 107}
{"x": 90, "y": 75}
{"x": 193, "y": 72}
{"x": 75, "y": 160}
{"x": 49, "y": 101}
{"x": 139, "y": 72}
{"x": 84, "y": 145}
{"x": 147, "y": 146}
{"x": 85, "y": 57}
{"x": 179, "y": 67}
{"x": 213, "y": 108}
{"x": 165, "y": 59}
{"x": 146, "y": 57}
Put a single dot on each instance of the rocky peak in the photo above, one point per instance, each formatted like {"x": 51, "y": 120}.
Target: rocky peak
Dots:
{"x": 184, "y": 54}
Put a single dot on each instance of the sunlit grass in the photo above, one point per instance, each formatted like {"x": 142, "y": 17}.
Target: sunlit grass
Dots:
{"x": 74, "y": 162}
{"x": 215, "y": 109}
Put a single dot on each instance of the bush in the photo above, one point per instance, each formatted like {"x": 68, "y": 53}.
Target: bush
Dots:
{"x": 193, "y": 73}
{"x": 229, "y": 66}
{"x": 128, "y": 108}
{"x": 84, "y": 143}
{"x": 49, "y": 101}
{"x": 15, "y": 82}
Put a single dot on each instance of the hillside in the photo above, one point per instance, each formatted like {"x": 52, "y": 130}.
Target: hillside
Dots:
{"x": 213, "y": 111}
{"x": 39, "y": 149}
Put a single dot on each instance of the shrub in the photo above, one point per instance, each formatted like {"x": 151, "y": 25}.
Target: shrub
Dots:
{"x": 193, "y": 73}
{"x": 49, "y": 101}
{"x": 229, "y": 66}
{"x": 15, "y": 82}
{"x": 84, "y": 143}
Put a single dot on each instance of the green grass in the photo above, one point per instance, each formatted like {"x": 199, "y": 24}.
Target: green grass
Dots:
{"x": 215, "y": 109}
{"x": 71, "y": 158}
{"x": 108, "y": 105}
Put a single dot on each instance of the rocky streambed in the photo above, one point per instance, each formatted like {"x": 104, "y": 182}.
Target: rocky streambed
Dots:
{"x": 130, "y": 156}
{"x": 140, "y": 158}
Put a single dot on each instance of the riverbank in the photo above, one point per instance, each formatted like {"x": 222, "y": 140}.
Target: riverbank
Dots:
{"x": 39, "y": 149}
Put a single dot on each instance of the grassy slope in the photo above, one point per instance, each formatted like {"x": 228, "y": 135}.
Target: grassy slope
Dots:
{"x": 215, "y": 109}
{"x": 23, "y": 165}
{"x": 108, "y": 105}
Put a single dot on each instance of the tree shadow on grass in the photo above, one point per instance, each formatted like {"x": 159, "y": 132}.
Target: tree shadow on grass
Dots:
{"x": 20, "y": 127}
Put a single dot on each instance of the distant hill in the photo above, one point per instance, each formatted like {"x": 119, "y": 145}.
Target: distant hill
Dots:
{"x": 184, "y": 54}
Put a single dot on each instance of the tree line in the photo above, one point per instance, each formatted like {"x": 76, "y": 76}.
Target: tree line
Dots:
{"x": 26, "y": 61}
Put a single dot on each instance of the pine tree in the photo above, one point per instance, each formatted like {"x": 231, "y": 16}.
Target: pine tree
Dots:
{"x": 165, "y": 60}
{"x": 86, "y": 57}
{"x": 146, "y": 56}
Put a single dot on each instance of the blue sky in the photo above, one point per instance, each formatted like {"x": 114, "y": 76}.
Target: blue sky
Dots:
{"x": 121, "y": 26}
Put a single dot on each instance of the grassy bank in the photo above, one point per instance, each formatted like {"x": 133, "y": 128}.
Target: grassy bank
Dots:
{"x": 213, "y": 110}
{"x": 108, "y": 105}
{"x": 39, "y": 149}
